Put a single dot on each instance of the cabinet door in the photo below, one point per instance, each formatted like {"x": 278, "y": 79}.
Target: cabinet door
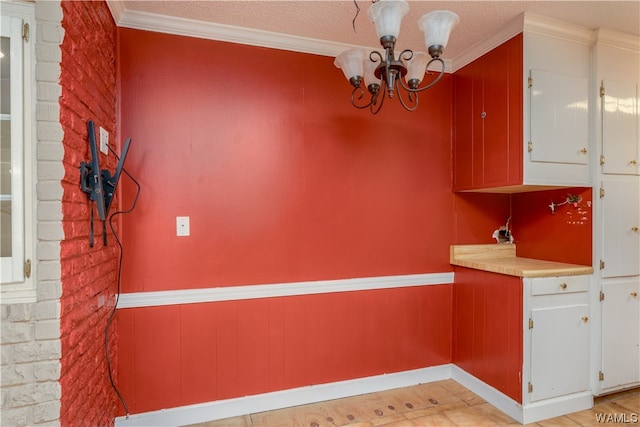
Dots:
{"x": 559, "y": 118}
{"x": 496, "y": 110}
{"x": 467, "y": 126}
{"x": 620, "y": 227}
{"x": 619, "y": 127}
{"x": 559, "y": 351}
{"x": 621, "y": 333}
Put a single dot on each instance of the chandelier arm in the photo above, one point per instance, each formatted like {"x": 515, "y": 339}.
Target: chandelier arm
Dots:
{"x": 437, "y": 79}
{"x": 376, "y": 53}
{"x": 356, "y": 95}
{"x": 374, "y": 106}
{"x": 412, "y": 97}
{"x": 409, "y": 53}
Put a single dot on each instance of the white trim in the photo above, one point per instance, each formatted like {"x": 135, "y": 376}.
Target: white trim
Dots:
{"x": 221, "y": 409}
{"x": 231, "y": 293}
{"x": 552, "y": 27}
{"x": 488, "y": 393}
{"x": 116, "y": 7}
{"x": 612, "y": 38}
{"x": 531, "y": 413}
{"x": 511, "y": 29}
{"x": 229, "y": 33}
{"x": 530, "y": 23}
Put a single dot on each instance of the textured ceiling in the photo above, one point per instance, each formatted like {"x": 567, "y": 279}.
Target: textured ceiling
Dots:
{"x": 334, "y": 20}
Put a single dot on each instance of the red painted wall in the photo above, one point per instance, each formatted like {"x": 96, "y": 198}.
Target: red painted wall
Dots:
{"x": 563, "y": 236}
{"x": 87, "y": 274}
{"x": 282, "y": 178}
{"x": 283, "y": 181}
{"x": 477, "y": 215}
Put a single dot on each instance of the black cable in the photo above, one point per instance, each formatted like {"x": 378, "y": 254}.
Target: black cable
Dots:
{"x": 113, "y": 311}
{"x": 353, "y": 22}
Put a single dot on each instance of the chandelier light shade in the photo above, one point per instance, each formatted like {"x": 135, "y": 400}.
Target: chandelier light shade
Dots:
{"x": 385, "y": 75}
{"x": 351, "y": 62}
{"x": 387, "y": 17}
{"x": 437, "y": 27}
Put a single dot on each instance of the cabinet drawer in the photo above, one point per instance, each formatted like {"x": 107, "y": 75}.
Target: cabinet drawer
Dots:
{"x": 559, "y": 285}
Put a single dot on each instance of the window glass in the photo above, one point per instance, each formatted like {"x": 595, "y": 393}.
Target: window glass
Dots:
{"x": 5, "y": 148}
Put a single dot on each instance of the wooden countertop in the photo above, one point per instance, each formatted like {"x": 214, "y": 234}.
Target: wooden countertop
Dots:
{"x": 502, "y": 259}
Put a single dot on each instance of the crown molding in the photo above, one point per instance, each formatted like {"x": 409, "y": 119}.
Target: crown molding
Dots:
{"x": 527, "y": 23}
{"x": 551, "y": 27}
{"x": 116, "y": 8}
{"x": 612, "y": 38}
{"x": 229, "y": 33}
{"x": 511, "y": 29}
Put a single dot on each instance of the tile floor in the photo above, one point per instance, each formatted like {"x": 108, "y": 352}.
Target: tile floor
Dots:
{"x": 441, "y": 403}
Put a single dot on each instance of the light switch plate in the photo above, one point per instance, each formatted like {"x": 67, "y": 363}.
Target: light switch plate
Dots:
{"x": 104, "y": 140}
{"x": 182, "y": 226}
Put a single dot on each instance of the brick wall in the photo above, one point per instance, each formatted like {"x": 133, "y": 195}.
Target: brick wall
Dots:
{"x": 31, "y": 347}
{"x": 88, "y": 274}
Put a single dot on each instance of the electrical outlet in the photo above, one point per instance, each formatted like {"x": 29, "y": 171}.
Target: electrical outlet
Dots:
{"x": 104, "y": 140}
{"x": 182, "y": 226}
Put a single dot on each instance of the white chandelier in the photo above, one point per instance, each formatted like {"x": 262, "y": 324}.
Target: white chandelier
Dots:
{"x": 384, "y": 74}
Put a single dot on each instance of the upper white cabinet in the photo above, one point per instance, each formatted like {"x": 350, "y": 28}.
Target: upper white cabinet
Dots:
{"x": 559, "y": 118}
{"x": 521, "y": 111}
{"x": 619, "y": 131}
{"x": 557, "y": 66}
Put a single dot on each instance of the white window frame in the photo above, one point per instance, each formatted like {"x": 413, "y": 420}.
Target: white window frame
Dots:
{"x": 16, "y": 287}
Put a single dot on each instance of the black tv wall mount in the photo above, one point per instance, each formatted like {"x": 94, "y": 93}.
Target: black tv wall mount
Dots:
{"x": 99, "y": 184}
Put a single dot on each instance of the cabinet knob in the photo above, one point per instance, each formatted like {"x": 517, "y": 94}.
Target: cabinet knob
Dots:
{"x": 583, "y": 151}
{"x": 634, "y": 229}
{"x": 634, "y": 294}
{"x": 563, "y": 286}
{"x": 585, "y": 319}
{"x": 484, "y": 114}
{"x": 633, "y": 162}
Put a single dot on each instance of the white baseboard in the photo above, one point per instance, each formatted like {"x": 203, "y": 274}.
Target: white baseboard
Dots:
{"x": 551, "y": 408}
{"x": 531, "y": 412}
{"x": 488, "y": 393}
{"x": 221, "y": 409}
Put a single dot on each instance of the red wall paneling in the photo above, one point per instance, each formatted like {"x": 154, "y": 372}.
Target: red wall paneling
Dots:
{"x": 487, "y": 328}
{"x": 179, "y": 355}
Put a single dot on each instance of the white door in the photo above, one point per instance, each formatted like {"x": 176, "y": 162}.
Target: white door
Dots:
{"x": 559, "y": 351}
{"x": 621, "y": 228}
{"x": 621, "y": 333}
{"x": 619, "y": 127}
{"x": 559, "y": 118}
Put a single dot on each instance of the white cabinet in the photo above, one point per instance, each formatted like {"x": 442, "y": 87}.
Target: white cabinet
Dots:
{"x": 559, "y": 118}
{"x": 619, "y": 110}
{"x": 522, "y": 111}
{"x": 557, "y": 338}
{"x": 616, "y": 334}
{"x": 557, "y": 72}
{"x": 618, "y": 89}
{"x": 620, "y": 302}
{"x": 620, "y": 248}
